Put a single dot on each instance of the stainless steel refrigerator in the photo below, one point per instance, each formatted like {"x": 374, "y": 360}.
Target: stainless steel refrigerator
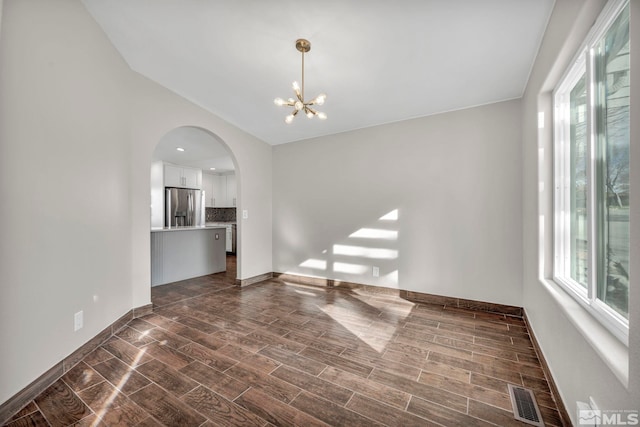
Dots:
{"x": 184, "y": 207}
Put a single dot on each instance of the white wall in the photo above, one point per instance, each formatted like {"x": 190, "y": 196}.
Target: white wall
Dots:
{"x": 455, "y": 180}
{"x": 157, "y": 193}
{"x": 64, "y": 186}
{"x": 77, "y": 133}
{"x": 585, "y": 360}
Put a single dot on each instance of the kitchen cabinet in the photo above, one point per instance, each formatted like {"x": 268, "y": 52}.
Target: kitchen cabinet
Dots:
{"x": 231, "y": 190}
{"x": 207, "y": 186}
{"x": 220, "y": 191}
{"x": 182, "y": 177}
{"x": 172, "y": 176}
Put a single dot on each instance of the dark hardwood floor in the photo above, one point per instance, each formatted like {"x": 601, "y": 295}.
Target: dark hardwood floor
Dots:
{"x": 277, "y": 353}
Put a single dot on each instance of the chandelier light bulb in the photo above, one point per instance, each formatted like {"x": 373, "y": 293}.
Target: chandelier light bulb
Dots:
{"x": 322, "y": 116}
{"x": 279, "y": 102}
{"x": 310, "y": 114}
{"x": 288, "y": 119}
{"x": 320, "y": 99}
{"x": 296, "y": 86}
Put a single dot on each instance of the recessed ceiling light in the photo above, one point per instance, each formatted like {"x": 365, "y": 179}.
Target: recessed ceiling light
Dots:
{"x": 180, "y": 149}
{"x": 212, "y": 169}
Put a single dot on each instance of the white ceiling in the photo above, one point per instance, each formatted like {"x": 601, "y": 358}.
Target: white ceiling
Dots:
{"x": 378, "y": 61}
{"x": 201, "y": 150}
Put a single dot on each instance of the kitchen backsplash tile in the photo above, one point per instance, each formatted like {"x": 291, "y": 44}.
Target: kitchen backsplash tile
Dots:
{"x": 220, "y": 214}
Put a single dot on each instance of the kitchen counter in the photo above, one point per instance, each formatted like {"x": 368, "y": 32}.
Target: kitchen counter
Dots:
{"x": 198, "y": 251}
{"x": 187, "y": 228}
{"x": 230, "y": 227}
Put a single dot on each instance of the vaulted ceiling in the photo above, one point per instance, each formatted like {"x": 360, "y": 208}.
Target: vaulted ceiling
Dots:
{"x": 378, "y": 61}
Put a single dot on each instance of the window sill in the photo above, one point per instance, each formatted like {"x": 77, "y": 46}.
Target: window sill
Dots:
{"x": 610, "y": 349}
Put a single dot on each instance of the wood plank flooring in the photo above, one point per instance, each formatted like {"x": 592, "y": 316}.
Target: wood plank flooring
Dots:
{"x": 276, "y": 353}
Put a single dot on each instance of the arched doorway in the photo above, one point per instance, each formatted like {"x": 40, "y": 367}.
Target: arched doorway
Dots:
{"x": 190, "y": 159}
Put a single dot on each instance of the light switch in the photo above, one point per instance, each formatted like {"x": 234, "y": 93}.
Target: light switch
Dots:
{"x": 245, "y": 214}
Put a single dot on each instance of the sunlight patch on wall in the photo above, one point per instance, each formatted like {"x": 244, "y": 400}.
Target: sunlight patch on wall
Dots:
{"x": 391, "y": 278}
{"x": 317, "y": 264}
{"x": 343, "y": 267}
{"x": 375, "y": 233}
{"x": 360, "y": 251}
{"x": 391, "y": 216}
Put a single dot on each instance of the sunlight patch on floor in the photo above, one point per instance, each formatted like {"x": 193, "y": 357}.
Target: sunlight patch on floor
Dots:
{"x": 377, "y": 341}
{"x": 109, "y": 401}
{"x": 307, "y": 293}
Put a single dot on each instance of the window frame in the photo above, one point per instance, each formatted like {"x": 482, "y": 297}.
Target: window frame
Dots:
{"x": 582, "y": 63}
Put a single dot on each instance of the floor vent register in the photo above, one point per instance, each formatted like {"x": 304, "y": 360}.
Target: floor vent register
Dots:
{"x": 524, "y": 405}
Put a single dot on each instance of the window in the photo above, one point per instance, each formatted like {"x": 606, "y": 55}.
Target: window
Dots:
{"x": 591, "y": 172}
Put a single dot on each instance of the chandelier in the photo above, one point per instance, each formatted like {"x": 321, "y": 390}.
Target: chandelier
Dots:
{"x": 300, "y": 104}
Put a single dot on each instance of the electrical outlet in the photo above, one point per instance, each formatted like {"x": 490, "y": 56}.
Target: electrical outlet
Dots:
{"x": 245, "y": 214}
{"x": 77, "y": 320}
{"x": 217, "y": 236}
{"x": 375, "y": 271}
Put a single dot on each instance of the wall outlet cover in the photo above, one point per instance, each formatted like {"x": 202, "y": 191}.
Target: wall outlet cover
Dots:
{"x": 78, "y": 320}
